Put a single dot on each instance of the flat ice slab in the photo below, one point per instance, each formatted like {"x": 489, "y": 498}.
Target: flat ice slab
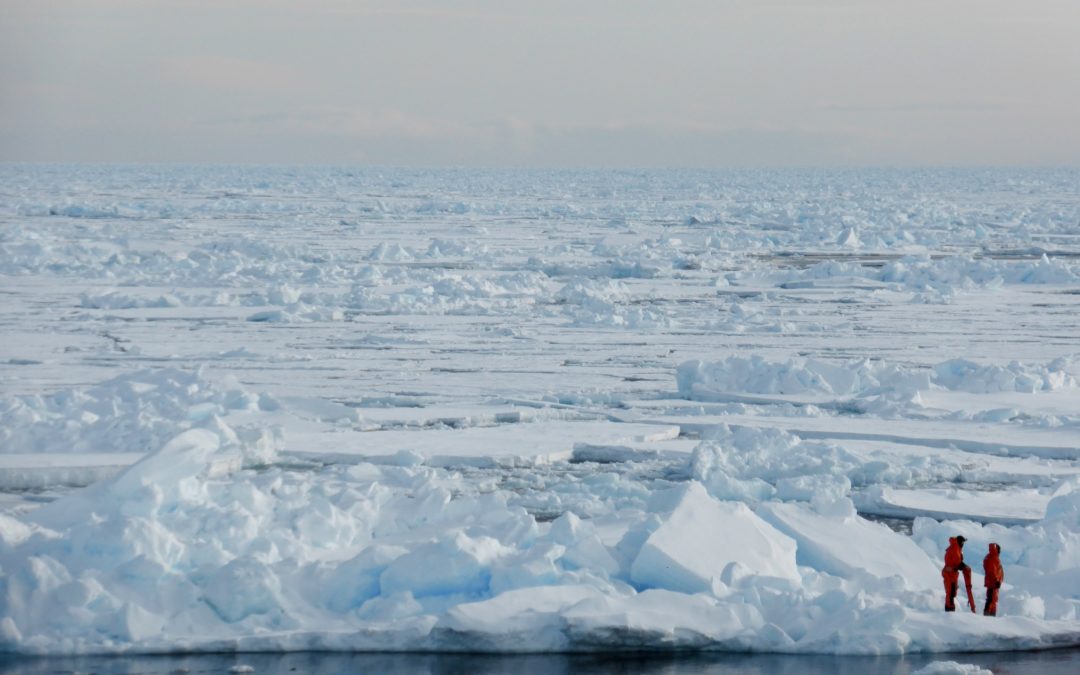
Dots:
{"x": 844, "y": 544}
{"x": 1012, "y": 506}
{"x": 963, "y": 435}
{"x": 28, "y": 471}
{"x": 509, "y": 444}
{"x": 459, "y": 416}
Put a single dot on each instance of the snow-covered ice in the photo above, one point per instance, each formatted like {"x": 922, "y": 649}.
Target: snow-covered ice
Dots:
{"x": 276, "y": 409}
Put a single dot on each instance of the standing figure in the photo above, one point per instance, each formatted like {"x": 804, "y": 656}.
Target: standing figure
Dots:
{"x": 954, "y": 565}
{"x": 994, "y": 576}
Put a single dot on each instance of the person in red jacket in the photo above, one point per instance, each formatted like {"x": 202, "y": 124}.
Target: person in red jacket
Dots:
{"x": 994, "y": 576}
{"x": 954, "y": 565}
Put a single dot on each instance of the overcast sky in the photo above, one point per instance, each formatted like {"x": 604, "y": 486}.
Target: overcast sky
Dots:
{"x": 522, "y": 83}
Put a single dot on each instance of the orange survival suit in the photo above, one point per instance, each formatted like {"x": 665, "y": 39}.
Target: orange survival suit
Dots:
{"x": 994, "y": 576}
{"x": 954, "y": 565}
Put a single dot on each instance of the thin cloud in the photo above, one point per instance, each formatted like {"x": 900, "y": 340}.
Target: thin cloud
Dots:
{"x": 229, "y": 73}
{"x": 347, "y": 123}
{"x": 924, "y": 106}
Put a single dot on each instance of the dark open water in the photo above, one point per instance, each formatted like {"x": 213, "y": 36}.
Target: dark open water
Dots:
{"x": 1054, "y": 662}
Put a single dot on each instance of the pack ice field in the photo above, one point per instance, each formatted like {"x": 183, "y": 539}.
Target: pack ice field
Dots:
{"x": 280, "y": 409}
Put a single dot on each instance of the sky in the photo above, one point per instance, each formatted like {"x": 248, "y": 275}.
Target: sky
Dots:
{"x": 585, "y": 83}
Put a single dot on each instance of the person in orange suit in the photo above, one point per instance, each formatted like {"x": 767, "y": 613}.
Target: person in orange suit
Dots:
{"x": 994, "y": 576}
{"x": 954, "y": 565}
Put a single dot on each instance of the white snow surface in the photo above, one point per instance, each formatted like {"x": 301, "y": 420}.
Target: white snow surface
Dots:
{"x": 276, "y": 409}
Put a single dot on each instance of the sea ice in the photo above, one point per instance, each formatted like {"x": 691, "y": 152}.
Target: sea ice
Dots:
{"x": 340, "y": 409}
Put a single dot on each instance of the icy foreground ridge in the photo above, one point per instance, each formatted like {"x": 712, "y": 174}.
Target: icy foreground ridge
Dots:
{"x": 187, "y": 550}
